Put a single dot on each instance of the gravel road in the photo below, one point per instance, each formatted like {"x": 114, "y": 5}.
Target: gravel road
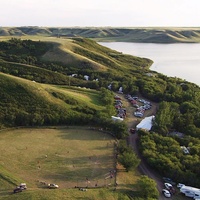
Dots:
{"x": 132, "y": 121}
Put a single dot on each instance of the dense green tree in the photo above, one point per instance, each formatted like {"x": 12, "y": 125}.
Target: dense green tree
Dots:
{"x": 122, "y": 146}
{"x": 165, "y": 116}
{"x": 106, "y": 96}
{"x": 119, "y": 129}
{"x": 166, "y": 156}
{"x": 147, "y": 188}
{"x": 129, "y": 160}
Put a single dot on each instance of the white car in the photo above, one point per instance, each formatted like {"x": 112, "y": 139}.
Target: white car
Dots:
{"x": 138, "y": 114}
{"x": 23, "y": 186}
{"x": 52, "y": 186}
{"x": 168, "y": 186}
{"x": 166, "y": 193}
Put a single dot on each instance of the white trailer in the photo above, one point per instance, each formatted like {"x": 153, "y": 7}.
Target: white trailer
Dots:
{"x": 190, "y": 191}
{"x": 117, "y": 119}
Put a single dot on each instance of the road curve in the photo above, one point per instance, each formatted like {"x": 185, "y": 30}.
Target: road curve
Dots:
{"x": 132, "y": 121}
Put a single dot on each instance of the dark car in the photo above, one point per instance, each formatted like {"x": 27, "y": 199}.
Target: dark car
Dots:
{"x": 18, "y": 189}
{"x": 169, "y": 180}
{"x": 132, "y": 130}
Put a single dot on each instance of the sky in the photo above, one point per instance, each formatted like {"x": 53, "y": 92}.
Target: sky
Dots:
{"x": 100, "y": 13}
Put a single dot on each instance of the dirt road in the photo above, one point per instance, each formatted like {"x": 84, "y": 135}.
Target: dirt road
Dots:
{"x": 132, "y": 121}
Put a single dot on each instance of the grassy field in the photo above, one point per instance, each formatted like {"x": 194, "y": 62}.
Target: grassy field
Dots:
{"x": 67, "y": 157}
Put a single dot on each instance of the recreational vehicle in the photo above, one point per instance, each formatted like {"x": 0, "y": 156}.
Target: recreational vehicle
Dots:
{"x": 190, "y": 191}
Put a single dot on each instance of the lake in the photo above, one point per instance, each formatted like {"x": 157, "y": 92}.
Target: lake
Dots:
{"x": 175, "y": 60}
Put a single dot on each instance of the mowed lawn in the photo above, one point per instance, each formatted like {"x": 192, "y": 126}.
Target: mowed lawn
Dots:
{"x": 68, "y": 157}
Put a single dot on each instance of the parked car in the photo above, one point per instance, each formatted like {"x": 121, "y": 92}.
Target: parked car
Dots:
{"x": 52, "y": 186}
{"x": 138, "y": 114}
{"x": 169, "y": 180}
{"x": 166, "y": 193}
{"x": 168, "y": 185}
{"x": 20, "y": 188}
{"x": 17, "y": 189}
{"x": 23, "y": 186}
{"x": 83, "y": 189}
{"x": 170, "y": 188}
{"x": 136, "y": 105}
{"x": 132, "y": 130}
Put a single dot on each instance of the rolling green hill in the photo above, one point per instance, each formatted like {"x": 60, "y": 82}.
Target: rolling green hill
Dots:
{"x": 53, "y": 61}
{"x": 154, "y": 34}
{"x": 76, "y": 54}
{"x": 25, "y": 102}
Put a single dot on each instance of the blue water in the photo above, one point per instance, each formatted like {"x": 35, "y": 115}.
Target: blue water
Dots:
{"x": 175, "y": 60}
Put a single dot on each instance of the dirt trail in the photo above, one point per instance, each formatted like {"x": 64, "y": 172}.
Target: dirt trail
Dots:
{"x": 132, "y": 121}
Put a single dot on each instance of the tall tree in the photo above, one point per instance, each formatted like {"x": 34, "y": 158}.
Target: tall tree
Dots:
{"x": 129, "y": 160}
{"x": 147, "y": 188}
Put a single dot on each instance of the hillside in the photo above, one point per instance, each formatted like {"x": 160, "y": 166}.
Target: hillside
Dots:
{"x": 25, "y": 102}
{"x": 60, "y": 62}
{"x": 147, "y": 35}
{"x": 73, "y": 54}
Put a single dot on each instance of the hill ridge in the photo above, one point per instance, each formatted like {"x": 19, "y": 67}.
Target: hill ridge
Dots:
{"x": 126, "y": 34}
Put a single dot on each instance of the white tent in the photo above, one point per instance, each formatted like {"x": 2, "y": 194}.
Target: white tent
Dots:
{"x": 146, "y": 123}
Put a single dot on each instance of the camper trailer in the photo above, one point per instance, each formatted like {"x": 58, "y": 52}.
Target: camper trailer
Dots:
{"x": 190, "y": 191}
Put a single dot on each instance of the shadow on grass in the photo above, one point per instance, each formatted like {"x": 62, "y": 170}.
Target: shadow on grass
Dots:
{"x": 84, "y": 134}
{"x": 6, "y": 192}
{"x": 79, "y": 169}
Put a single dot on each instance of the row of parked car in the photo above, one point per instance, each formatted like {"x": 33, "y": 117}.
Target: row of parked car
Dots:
{"x": 136, "y": 102}
{"x": 169, "y": 189}
{"x": 121, "y": 112}
{"x": 188, "y": 191}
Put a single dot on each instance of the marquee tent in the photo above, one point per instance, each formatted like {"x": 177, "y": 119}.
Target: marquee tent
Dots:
{"x": 146, "y": 123}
